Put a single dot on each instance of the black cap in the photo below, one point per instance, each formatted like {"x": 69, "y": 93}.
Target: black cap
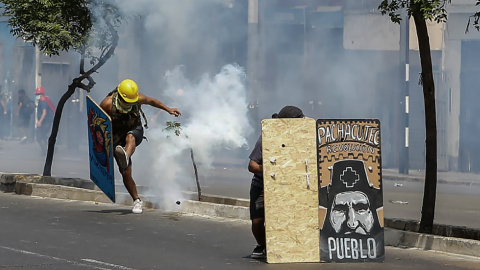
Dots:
{"x": 289, "y": 112}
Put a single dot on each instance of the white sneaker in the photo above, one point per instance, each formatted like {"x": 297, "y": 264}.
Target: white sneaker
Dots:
{"x": 137, "y": 206}
{"x": 122, "y": 157}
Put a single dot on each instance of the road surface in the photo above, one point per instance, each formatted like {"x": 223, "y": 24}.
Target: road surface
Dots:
{"x": 44, "y": 233}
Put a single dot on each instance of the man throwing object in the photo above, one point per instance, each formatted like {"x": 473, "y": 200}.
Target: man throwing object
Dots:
{"x": 123, "y": 105}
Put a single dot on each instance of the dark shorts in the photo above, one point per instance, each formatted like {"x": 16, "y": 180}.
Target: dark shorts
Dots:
{"x": 257, "y": 209}
{"x": 137, "y": 133}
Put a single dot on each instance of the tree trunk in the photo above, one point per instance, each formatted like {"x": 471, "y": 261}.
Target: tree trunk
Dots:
{"x": 199, "y": 190}
{"x": 47, "y": 169}
{"x": 429, "y": 195}
{"x": 77, "y": 83}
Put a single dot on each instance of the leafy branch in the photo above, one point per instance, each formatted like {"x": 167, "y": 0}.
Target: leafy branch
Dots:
{"x": 177, "y": 129}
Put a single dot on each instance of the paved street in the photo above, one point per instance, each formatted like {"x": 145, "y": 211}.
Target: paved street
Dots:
{"x": 457, "y": 203}
{"x": 43, "y": 233}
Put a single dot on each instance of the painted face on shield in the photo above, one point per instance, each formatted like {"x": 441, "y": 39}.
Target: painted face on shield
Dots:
{"x": 123, "y": 106}
{"x": 351, "y": 213}
{"x": 99, "y": 136}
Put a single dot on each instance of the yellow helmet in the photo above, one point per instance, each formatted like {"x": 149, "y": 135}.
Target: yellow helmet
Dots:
{"x": 128, "y": 90}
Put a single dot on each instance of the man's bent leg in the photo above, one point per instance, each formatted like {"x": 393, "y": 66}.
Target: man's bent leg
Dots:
{"x": 123, "y": 154}
{"x": 123, "y": 157}
{"x": 130, "y": 144}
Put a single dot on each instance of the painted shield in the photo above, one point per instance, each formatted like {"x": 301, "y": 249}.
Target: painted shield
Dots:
{"x": 350, "y": 192}
{"x": 100, "y": 148}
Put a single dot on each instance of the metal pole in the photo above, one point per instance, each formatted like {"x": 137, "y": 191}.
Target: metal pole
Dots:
{"x": 253, "y": 50}
{"x": 253, "y": 58}
{"x": 38, "y": 67}
{"x": 405, "y": 62}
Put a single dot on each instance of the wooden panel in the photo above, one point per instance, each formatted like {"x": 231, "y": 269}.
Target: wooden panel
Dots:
{"x": 291, "y": 190}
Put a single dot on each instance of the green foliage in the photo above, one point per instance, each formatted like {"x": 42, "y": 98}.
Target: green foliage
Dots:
{"x": 59, "y": 25}
{"x": 432, "y": 10}
{"x": 175, "y": 126}
{"x": 476, "y": 18}
{"x": 53, "y": 25}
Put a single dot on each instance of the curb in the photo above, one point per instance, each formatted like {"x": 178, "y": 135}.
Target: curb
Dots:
{"x": 398, "y": 232}
{"x": 438, "y": 229}
{"x": 398, "y": 238}
{"x": 216, "y": 210}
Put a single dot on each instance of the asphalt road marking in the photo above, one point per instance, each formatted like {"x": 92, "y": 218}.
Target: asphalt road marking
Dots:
{"x": 104, "y": 264}
{"x": 108, "y": 264}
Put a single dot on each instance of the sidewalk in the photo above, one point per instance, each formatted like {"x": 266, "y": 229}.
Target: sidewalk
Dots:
{"x": 468, "y": 179}
{"x": 398, "y": 232}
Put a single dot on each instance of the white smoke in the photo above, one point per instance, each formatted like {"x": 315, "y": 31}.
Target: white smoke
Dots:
{"x": 214, "y": 118}
{"x": 214, "y": 107}
{"x": 217, "y": 109}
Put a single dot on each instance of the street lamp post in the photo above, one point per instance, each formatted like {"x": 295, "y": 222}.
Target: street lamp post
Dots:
{"x": 404, "y": 62}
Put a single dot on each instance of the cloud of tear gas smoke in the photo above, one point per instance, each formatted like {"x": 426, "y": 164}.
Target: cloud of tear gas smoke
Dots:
{"x": 217, "y": 109}
{"x": 214, "y": 118}
{"x": 184, "y": 39}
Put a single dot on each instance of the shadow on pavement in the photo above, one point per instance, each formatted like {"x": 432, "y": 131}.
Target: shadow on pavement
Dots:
{"x": 112, "y": 211}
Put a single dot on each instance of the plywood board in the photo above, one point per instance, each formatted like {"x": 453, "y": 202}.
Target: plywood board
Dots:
{"x": 291, "y": 190}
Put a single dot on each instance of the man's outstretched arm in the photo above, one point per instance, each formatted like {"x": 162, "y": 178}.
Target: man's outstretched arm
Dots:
{"x": 143, "y": 99}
